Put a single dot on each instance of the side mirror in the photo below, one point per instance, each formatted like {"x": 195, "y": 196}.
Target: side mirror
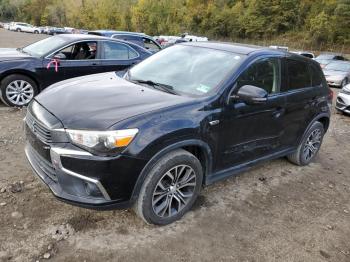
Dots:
{"x": 252, "y": 94}
{"x": 59, "y": 56}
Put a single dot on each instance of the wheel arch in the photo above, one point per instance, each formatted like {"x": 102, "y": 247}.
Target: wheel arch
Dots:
{"x": 21, "y": 72}
{"x": 196, "y": 147}
{"x": 323, "y": 118}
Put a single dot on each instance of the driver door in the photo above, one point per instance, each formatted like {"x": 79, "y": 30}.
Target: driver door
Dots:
{"x": 252, "y": 130}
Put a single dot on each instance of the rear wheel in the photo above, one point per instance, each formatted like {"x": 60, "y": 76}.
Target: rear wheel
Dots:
{"x": 309, "y": 146}
{"x": 17, "y": 90}
{"x": 18, "y": 30}
{"x": 170, "y": 188}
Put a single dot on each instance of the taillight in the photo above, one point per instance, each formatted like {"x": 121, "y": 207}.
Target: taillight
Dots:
{"x": 330, "y": 95}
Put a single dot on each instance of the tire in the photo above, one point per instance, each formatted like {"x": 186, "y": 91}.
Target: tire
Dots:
{"x": 36, "y": 32}
{"x": 305, "y": 154}
{"x": 157, "y": 191}
{"x": 17, "y": 85}
{"x": 18, "y": 30}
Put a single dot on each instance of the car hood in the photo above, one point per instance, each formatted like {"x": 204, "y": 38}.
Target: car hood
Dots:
{"x": 11, "y": 54}
{"x": 334, "y": 73}
{"x": 99, "y": 101}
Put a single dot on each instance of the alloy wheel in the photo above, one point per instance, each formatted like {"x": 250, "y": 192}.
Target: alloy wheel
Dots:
{"x": 19, "y": 92}
{"x": 174, "y": 191}
{"x": 312, "y": 144}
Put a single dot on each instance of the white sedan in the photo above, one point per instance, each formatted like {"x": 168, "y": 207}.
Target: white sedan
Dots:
{"x": 343, "y": 100}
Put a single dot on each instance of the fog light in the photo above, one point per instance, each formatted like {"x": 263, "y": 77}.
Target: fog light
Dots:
{"x": 92, "y": 190}
{"x": 55, "y": 159}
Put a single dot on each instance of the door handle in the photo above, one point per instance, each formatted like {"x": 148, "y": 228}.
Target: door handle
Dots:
{"x": 278, "y": 112}
{"x": 94, "y": 64}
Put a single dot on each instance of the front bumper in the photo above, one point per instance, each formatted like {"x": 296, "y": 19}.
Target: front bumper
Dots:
{"x": 69, "y": 186}
{"x": 80, "y": 178}
{"x": 343, "y": 103}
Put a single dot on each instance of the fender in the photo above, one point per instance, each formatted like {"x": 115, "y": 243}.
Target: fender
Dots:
{"x": 27, "y": 73}
{"x": 161, "y": 153}
{"x": 316, "y": 118}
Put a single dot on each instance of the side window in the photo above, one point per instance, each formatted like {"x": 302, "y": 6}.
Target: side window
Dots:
{"x": 118, "y": 51}
{"x": 298, "y": 75}
{"x": 264, "y": 73}
{"x": 150, "y": 45}
{"x": 316, "y": 79}
{"x": 80, "y": 51}
{"x": 130, "y": 38}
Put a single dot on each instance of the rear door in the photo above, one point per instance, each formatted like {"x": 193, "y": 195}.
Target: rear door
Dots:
{"x": 117, "y": 56}
{"x": 302, "y": 88}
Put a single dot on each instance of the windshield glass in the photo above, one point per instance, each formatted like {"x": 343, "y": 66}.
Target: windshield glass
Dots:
{"x": 187, "y": 69}
{"x": 45, "y": 46}
{"x": 345, "y": 67}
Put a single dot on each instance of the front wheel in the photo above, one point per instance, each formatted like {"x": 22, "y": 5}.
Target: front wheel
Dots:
{"x": 309, "y": 146}
{"x": 170, "y": 189}
{"x": 17, "y": 90}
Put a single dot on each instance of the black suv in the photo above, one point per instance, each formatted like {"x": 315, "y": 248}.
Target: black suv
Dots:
{"x": 185, "y": 117}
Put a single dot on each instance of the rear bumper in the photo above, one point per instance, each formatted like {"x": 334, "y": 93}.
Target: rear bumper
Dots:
{"x": 90, "y": 191}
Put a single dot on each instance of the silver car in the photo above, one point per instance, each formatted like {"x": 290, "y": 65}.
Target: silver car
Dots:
{"x": 343, "y": 100}
{"x": 337, "y": 73}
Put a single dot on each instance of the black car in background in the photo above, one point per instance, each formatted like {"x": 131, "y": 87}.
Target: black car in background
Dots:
{"x": 25, "y": 72}
{"x": 152, "y": 138}
{"x": 140, "y": 39}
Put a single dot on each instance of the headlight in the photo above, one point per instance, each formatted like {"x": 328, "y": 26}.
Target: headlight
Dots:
{"x": 102, "y": 142}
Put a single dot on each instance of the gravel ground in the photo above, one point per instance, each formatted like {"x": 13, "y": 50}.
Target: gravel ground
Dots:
{"x": 274, "y": 212}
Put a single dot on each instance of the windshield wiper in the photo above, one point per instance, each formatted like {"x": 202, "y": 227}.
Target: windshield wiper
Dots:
{"x": 163, "y": 87}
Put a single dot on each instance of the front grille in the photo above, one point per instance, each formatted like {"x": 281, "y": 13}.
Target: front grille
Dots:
{"x": 43, "y": 164}
{"x": 42, "y": 132}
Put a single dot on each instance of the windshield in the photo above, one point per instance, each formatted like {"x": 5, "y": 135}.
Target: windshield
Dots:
{"x": 186, "y": 69}
{"x": 45, "y": 46}
{"x": 344, "y": 67}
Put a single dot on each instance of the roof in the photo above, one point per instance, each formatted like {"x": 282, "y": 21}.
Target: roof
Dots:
{"x": 69, "y": 37}
{"x": 232, "y": 47}
{"x": 113, "y": 32}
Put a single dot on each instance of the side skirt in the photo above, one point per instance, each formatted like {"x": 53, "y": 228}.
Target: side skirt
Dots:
{"x": 235, "y": 170}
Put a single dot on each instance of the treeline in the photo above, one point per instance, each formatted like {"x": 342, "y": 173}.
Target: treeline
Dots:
{"x": 314, "y": 21}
